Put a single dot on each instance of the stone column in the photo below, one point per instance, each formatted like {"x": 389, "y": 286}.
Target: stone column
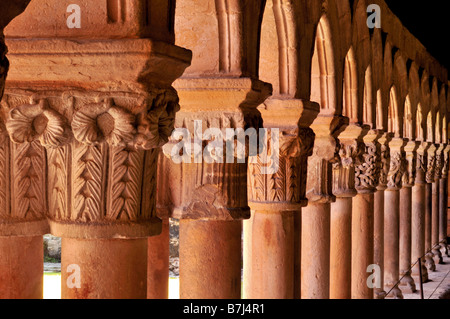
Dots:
{"x": 391, "y": 218}
{"x": 407, "y": 284}
{"x": 366, "y": 180}
{"x": 207, "y": 183}
{"x": 378, "y": 224}
{"x": 418, "y": 214}
{"x": 435, "y": 243}
{"x": 443, "y": 202}
{"x": 101, "y": 116}
{"x": 275, "y": 199}
{"x": 430, "y": 176}
{"x": 315, "y": 230}
{"x": 22, "y": 196}
{"x": 341, "y": 213}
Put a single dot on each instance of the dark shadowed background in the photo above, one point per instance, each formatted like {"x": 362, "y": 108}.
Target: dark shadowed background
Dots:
{"x": 429, "y": 21}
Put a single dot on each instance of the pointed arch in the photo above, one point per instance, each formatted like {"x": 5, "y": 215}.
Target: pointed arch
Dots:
{"x": 408, "y": 131}
{"x": 393, "y": 113}
{"x": 420, "y": 134}
{"x": 323, "y": 73}
{"x": 350, "y": 90}
{"x": 430, "y": 126}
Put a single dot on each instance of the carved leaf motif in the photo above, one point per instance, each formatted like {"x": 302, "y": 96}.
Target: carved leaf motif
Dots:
{"x": 292, "y": 180}
{"x": 277, "y": 182}
{"x": 150, "y": 171}
{"x": 257, "y": 180}
{"x": 125, "y": 183}
{"x": 4, "y": 168}
{"x": 29, "y": 173}
{"x": 58, "y": 182}
{"x": 87, "y": 183}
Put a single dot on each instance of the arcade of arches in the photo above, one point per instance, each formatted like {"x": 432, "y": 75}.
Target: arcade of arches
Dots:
{"x": 85, "y": 141}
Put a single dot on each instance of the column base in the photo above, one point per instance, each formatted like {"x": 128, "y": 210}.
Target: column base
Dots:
{"x": 429, "y": 262}
{"x": 407, "y": 284}
{"x": 444, "y": 250}
{"x": 395, "y": 293}
{"x": 379, "y": 294}
{"x": 437, "y": 256}
{"x": 416, "y": 275}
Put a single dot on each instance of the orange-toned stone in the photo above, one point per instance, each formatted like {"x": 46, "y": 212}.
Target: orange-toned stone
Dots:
{"x": 21, "y": 267}
{"x": 210, "y": 259}
{"x": 108, "y": 268}
{"x": 158, "y": 264}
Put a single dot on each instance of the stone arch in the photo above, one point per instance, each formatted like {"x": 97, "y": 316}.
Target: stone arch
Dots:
{"x": 387, "y": 81}
{"x": 434, "y": 110}
{"x": 370, "y": 100}
{"x": 408, "y": 121}
{"x": 442, "y": 111}
{"x": 224, "y": 35}
{"x": 361, "y": 42}
{"x": 430, "y": 126}
{"x": 279, "y": 47}
{"x": 414, "y": 96}
{"x": 400, "y": 79}
{"x": 350, "y": 89}
{"x": 377, "y": 77}
{"x": 323, "y": 70}
{"x": 393, "y": 113}
{"x": 420, "y": 124}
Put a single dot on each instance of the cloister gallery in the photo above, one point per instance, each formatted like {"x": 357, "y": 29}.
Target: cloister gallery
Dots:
{"x": 92, "y": 91}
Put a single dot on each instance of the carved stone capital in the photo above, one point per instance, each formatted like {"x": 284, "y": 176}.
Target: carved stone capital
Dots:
{"x": 440, "y": 158}
{"x": 350, "y": 155}
{"x": 445, "y": 165}
{"x": 397, "y": 164}
{"x": 367, "y": 173}
{"x": 101, "y": 157}
{"x": 285, "y": 189}
{"x": 431, "y": 164}
{"x": 385, "y": 163}
{"x": 319, "y": 188}
{"x": 409, "y": 175}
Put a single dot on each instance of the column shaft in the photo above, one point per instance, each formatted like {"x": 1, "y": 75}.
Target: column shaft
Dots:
{"x": 21, "y": 267}
{"x": 435, "y": 223}
{"x": 104, "y": 268}
{"x": 378, "y": 240}
{"x": 418, "y": 229}
{"x": 315, "y": 251}
{"x": 362, "y": 244}
{"x": 340, "y": 251}
{"x": 247, "y": 262}
{"x": 210, "y": 259}
{"x": 428, "y": 204}
{"x": 272, "y": 255}
{"x": 407, "y": 283}
{"x": 391, "y": 241}
{"x": 443, "y": 202}
{"x": 158, "y": 264}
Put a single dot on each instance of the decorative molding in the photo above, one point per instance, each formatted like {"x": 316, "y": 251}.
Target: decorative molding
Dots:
{"x": 384, "y": 166}
{"x": 431, "y": 167}
{"x": 350, "y": 154}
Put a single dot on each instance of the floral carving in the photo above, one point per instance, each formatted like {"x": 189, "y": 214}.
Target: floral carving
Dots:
{"x": 156, "y": 126}
{"x": 97, "y": 123}
{"x": 367, "y": 173}
{"x": 28, "y": 123}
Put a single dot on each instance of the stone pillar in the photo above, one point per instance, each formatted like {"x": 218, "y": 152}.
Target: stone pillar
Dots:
{"x": 315, "y": 230}
{"x": 22, "y": 197}
{"x": 378, "y": 224}
{"x": 392, "y": 219}
{"x": 341, "y": 213}
{"x": 435, "y": 243}
{"x": 407, "y": 284}
{"x": 418, "y": 215}
{"x": 366, "y": 180}
{"x": 101, "y": 117}
{"x": 275, "y": 199}
{"x": 430, "y": 176}
{"x": 443, "y": 202}
{"x": 158, "y": 263}
{"x": 207, "y": 184}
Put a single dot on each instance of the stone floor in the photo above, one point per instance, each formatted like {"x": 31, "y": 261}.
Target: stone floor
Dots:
{"x": 439, "y": 285}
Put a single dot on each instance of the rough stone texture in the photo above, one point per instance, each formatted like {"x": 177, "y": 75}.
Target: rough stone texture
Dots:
{"x": 52, "y": 247}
